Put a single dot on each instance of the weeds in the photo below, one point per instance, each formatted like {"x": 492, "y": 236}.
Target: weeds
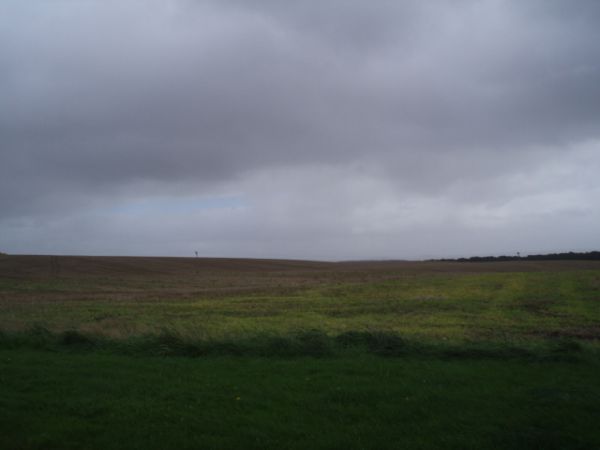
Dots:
{"x": 303, "y": 343}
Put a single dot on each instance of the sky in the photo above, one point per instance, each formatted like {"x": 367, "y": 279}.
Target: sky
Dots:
{"x": 330, "y": 129}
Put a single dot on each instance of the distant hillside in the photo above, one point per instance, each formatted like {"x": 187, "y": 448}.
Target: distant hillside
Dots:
{"x": 572, "y": 256}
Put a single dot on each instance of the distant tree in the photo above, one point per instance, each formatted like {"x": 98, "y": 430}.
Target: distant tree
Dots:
{"x": 581, "y": 256}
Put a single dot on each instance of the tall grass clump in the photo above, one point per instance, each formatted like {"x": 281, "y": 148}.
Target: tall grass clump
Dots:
{"x": 313, "y": 343}
{"x": 302, "y": 343}
{"x": 74, "y": 338}
{"x": 378, "y": 342}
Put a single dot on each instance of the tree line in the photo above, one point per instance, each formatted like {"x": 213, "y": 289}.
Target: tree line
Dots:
{"x": 587, "y": 256}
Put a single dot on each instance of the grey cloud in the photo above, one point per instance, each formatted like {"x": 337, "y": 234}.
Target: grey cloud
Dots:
{"x": 107, "y": 101}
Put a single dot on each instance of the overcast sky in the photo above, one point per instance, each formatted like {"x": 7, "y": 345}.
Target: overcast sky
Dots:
{"x": 329, "y": 129}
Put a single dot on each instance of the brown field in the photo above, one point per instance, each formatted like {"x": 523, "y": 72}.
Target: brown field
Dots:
{"x": 240, "y": 272}
{"x": 114, "y": 277}
{"x": 124, "y": 296}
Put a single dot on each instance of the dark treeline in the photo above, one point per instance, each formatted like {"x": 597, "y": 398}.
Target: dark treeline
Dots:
{"x": 549, "y": 257}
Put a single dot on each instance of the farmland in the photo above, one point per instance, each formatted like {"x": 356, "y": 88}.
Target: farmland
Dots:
{"x": 109, "y": 352}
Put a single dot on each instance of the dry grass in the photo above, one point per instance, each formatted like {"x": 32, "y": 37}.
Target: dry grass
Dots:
{"x": 124, "y": 296}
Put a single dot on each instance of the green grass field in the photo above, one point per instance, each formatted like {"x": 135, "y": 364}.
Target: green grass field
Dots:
{"x": 216, "y": 353}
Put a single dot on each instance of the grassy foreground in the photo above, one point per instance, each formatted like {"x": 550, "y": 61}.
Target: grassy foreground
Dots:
{"x": 100, "y": 401}
{"x": 191, "y": 353}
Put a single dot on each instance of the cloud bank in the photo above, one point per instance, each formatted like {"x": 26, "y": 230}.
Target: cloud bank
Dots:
{"x": 329, "y": 130}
